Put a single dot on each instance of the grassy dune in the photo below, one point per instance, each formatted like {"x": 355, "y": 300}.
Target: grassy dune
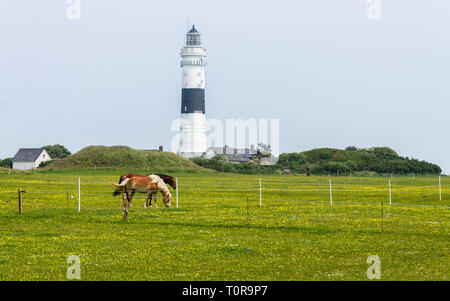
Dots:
{"x": 116, "y": 157}
{"x": 215, "y": 234}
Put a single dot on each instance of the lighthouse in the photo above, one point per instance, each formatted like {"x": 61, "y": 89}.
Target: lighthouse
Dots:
{"x": 193, "y": 119}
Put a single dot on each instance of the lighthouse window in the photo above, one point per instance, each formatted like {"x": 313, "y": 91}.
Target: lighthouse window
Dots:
{"x": 193, "y": 40}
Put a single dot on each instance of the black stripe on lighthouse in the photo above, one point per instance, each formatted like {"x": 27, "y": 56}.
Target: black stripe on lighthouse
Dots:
{"x": 192, "y": 100}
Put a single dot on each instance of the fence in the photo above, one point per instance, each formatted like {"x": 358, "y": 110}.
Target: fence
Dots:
{"x": 266, "y": 189}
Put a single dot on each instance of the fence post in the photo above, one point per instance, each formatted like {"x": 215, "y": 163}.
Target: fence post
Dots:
{"x": 247, "y": 211}
{"x": 440, "y": 190}
{"x": 331, "y": 195}
{"x": 176, "y": 190}
{"x": 79, "y": 194}
{"x": 260, "y": 193}
{"x": 125, "y": 206}
{"x": 390, "y": 193}
{"x": 20, "y": 201}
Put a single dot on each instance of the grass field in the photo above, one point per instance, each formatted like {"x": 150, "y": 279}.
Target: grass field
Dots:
{"x": 215, "y": 234}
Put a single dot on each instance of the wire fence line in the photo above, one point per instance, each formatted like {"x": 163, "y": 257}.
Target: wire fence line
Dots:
{"x": 276, "y": 200}
{"x": 242, "y": 198}
{"x": 256, "y": 188}
{"x": 299, "y": 189}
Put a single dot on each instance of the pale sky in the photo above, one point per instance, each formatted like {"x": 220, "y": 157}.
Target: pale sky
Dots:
{"x": 332, "y": 76}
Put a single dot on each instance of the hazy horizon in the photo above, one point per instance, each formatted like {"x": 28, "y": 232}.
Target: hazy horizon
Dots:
{"x": 332, "y": 76}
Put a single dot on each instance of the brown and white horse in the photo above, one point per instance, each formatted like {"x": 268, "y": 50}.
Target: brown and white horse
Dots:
{"x": 169, "y": 180}
{"x": 143, "y": 184}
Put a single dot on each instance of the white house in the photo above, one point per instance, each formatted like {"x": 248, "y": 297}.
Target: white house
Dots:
{"x": 30, "y": 158}
{"x": 234, "y": 155}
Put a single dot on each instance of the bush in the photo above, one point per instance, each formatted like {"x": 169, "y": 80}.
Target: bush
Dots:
{"x": 325, "y": 160}
{"x": 45, "y": 163}
{"x": 376, "y": 159}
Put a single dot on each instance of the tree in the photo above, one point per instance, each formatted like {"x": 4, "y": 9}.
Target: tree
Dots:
{"x": 263, "y": 151}
{"x": 57, "y": 151}
{"x": 6, "y": 163}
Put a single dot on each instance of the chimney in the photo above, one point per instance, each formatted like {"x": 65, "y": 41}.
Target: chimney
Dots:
{"x": 161, "y": 149}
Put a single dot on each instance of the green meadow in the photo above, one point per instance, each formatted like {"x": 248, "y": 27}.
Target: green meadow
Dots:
{"x": 219, "y": 230}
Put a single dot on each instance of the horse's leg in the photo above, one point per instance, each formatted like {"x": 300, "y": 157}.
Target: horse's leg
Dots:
{"x": 130, "y": 197}
{"x": 155, "y": 193}
{"x": 149, "y": 199}
{"x": 147, "y": 196}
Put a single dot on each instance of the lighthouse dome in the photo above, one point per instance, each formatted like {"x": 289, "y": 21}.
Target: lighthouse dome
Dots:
{"x": 193, "y": 29}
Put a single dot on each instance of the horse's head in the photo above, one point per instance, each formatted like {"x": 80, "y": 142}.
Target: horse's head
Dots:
{"x": 172, "y": 183}
{"x": 166, "y": 198}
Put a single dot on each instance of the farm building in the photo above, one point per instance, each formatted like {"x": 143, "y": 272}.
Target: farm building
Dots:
{"x": 235, "y": 155}
{"x": 160, "y": 149}
{"x": 30, "y": 158}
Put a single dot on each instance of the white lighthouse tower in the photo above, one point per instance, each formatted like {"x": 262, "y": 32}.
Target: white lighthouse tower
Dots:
{"x": 193, "y": 119}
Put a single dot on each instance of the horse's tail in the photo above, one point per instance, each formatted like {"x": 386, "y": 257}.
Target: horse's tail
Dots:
{"x": 123, "y": 183}
{"x": 120, "y": 186}
{"x": 116, "y": 192}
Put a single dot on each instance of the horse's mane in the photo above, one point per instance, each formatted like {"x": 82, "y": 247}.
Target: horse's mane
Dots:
{"x": 169, "y": 179}
{"x": 162, "y": 175}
